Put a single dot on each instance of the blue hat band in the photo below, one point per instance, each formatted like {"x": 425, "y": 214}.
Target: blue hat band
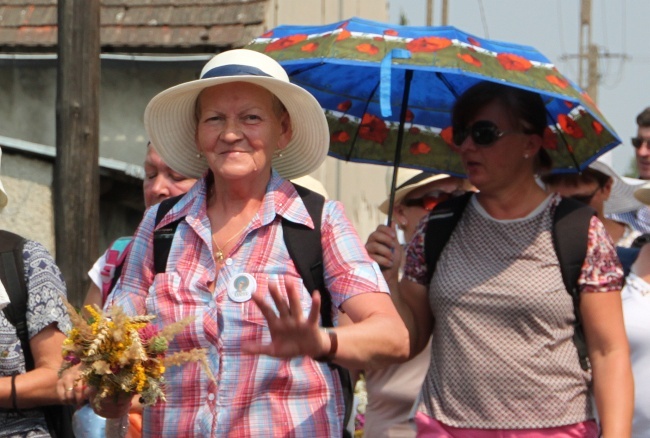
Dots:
{"x": 234, "y": 70}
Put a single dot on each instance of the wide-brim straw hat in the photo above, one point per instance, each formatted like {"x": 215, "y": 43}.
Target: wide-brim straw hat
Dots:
{"x": 408, "y": 180}
{"x": 3, "y": 194}
{"x": 171, "y": 124}
{"x": 312, "y": 184}
{"x": 621, "y": 198}
{"x": 642, "y": 193}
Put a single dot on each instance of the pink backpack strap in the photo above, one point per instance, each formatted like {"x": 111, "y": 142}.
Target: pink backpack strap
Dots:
{"x": 115, "y": 256}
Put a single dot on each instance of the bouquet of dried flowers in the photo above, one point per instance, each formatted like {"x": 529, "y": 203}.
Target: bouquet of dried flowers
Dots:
{"x": 124, "y": 354}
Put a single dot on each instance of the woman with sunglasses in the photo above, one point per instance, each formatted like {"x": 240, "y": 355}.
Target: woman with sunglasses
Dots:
{"x": 392, "y": 391}
{"x": 503, "y": 362}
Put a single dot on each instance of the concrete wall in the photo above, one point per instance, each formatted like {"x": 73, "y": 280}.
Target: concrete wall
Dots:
{"x": 29, "y": 210}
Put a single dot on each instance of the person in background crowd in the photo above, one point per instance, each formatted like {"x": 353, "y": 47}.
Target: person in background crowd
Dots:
{"x": 503, "y": 360}
{"x": 600, "y": 187}
{"x": 160, "y": 183}
{"x": 636, "y": 312}
{"x": 22, "y": 392}
{"x": 242, "y": 128}
{"x": 640, "y": 218}
{"x": 392, "y": 390}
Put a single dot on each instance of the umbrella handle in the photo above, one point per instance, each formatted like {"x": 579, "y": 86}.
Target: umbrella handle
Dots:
{"x": 408, "y": 76}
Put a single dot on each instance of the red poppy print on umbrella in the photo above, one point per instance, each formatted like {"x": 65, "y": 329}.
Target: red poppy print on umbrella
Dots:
{"x": 340, "y": 137}
{"x": 510, "y": 61}
{"x": 598, "y": 128}
{"x": 549, "y": 140}
{"x": 370, "y": 49}
{"x": 283, "y": 43}
{"x": 373, "y": 128}
{"x": 469, "y": 59}
{"x": 557, "y": 81}
{"x": 344, "y": 35}
{"x": 569, "y": 126}
{"x": 420, "y": 148}
{"x": 428, "y": 44}
{"x": 309, "y": 47}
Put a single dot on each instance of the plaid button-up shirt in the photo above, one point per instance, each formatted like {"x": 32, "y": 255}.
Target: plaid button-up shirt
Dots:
{"x": 253, "y": 396}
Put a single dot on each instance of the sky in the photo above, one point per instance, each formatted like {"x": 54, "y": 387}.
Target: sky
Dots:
{"x": 619, "y": 28}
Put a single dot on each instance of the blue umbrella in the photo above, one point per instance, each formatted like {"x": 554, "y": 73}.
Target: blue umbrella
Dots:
{"x": 387, "y": 91}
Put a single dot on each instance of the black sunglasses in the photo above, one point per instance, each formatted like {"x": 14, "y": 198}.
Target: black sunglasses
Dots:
{"x": 585, "y": 199}
{"x": 483, "y": 133}
{"x": 637, "y": 142}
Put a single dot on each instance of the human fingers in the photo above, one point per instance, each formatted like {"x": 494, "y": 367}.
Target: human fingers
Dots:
{"x": 293, "y": 295}
{"x": 283, "y": 308}
{"x": 266, "y": 310}
{"x": 314, "y": 311}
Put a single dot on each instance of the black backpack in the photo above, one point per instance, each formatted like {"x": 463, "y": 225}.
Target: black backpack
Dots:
{"x": 304, "y": 247}
{"x": 12, "y": 274}
{"x": 570, "y": 233}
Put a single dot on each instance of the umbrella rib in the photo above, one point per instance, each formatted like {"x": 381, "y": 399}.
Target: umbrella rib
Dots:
{"x": 356, "y": 132}
{"x": 408, "y": 76}
{"x": 447, "y": 84}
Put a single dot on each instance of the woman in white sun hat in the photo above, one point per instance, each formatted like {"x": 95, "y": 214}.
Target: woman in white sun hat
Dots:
{"x": 244, "y": 129}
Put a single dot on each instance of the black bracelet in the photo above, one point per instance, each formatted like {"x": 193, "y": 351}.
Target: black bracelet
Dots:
{"x": 13, "y": 392}
{"x": 334, "y": 345}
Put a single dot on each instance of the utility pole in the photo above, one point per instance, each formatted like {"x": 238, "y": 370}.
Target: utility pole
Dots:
{"x": 76, "y": 169}
{"x": 589, "y": 54}
{"x": 445, "y": 12}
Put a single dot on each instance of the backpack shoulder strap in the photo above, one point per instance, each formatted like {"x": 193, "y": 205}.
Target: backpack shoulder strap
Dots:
{"x": 162, "y": 237}
{"x": 12, "y": 274}
{"x": 441, "y": 223}
{"x": 306, "y": 251}
{"x": 570, "y": 235}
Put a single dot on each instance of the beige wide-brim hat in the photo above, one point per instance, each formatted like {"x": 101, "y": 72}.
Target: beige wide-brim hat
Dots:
{"x": 408, "y": 180}
{"x": 621, "y": 199}
{"x": 170, "y": 116}
{"x": 3, "y": 193}
{"x": 312, "y": 184}
{"x": 642, "y": 193}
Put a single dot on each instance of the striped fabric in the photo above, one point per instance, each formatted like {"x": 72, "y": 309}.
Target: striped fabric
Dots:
{"x": 253, "y": 395}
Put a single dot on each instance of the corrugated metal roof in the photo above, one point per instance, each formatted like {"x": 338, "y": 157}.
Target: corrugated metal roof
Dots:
{"x": 139, "y": 26}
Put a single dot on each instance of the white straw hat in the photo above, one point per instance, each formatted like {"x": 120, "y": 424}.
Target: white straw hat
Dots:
{"x": 170, "y": 116}
{"x": 642, "y": 193}
{"x": 407, "y": 180}
{"x": 621, "y": 199}
{"x": 312, "y": 184}
{"x": 3, "y": 193}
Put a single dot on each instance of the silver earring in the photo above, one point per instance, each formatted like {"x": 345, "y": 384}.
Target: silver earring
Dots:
{"x": 277, "y": 153}
{"x": 199, "y": 155}
{"x": 526, "y": 156}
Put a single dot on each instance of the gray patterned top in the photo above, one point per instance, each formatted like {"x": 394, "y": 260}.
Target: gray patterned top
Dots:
{"x": 44, "y": 307}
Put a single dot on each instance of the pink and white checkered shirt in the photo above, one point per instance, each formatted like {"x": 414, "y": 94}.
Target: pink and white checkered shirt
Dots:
{"x": 253, "y": 396}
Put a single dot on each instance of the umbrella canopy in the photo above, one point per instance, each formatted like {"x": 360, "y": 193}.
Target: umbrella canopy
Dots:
{"x": 386, "y": 85}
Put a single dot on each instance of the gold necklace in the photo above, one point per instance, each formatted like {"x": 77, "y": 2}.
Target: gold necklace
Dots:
{"x": 219, "y": 254}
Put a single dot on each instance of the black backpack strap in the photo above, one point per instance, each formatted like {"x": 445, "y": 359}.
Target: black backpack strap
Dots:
{"x": 12, "y": 274}
{"x": 441, "y": 223}
{"x": 163, "y": 237}
{"x": 306, "y": 250}
{"x": 570, "y": 235}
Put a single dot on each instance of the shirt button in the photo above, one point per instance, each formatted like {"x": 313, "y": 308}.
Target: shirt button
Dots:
{"x": 229, "y": 261}
{"x": 210, "y": 396}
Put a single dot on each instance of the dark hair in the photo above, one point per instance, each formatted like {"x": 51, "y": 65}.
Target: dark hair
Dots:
{"x": 525, "y": 108}
{"x": 643, "y": 119}
{"x": 587, "y": 176}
